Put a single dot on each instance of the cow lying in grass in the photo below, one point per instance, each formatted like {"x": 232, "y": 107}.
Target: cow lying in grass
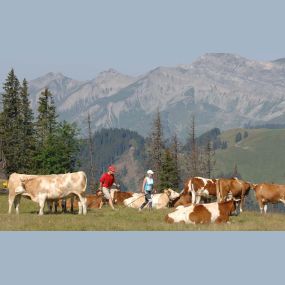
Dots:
{"x": 159, "y": 201}
{"x": 203, "y": 213}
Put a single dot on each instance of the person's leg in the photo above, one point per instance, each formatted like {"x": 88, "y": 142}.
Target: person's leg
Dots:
{"x": 107, "y": 196}
{"x": 111, "y": 204}
{"x": 145, "y": 201}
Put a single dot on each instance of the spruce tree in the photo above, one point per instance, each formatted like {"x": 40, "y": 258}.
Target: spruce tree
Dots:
{"x": 155, "y": 149}
{"x": 47, "y": 117}
{"x": 10, "y": 123}
{"x": 168, "y": 174}
{"x": 27, "y": 132}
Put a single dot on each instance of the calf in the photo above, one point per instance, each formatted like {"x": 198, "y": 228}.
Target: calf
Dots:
{"x": 269, "y": 193}
{"x": 203, "y": 213}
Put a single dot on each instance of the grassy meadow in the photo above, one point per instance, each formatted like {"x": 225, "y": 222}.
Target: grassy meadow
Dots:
{"x": 259, "y": 157}
{"x": 125, "y": 219}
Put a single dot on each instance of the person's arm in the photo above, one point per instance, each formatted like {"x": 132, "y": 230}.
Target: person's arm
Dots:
{"x": 144, "y": 181}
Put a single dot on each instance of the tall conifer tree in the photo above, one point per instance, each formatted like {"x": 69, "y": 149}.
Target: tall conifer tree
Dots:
{"x": 10, "y": 121}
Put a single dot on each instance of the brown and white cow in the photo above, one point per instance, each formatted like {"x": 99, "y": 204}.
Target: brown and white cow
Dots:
{"x": 269, "y": 193}
{"x": 159, "y": 201}
{"x": 234, "y": 186}
{"x": 184, "y": 199}
{"x": 93, "y": 201}
{"x": 202, "y": 213}
{"x": 40, "y": 188}
{"x": 120, "y": 196}
{"x": 200, "y": 187}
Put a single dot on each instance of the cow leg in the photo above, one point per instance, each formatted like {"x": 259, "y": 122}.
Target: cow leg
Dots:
{"x": 82, "y": 205}
{"x": 17, "y": 203}
{"x": 63, "y": 205}
{"x": 241, "y": 204}
{"x": 261, "y": 206}
{"x": 11, "y": 201}
{"x": 193, "y": 196}
{"x": 71, "y": 204}
{"x": 49, "y": 206}
{"x": 42, "y": 200}
{"x": 265, "y": 208}
{"x": 198, "y": 199}
{"x": 55, "y": 206}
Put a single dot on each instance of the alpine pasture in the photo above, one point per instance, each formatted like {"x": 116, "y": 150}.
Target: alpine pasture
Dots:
{"x": 124, "y": 219}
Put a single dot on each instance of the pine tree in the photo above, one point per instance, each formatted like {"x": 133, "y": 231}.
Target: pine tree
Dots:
{"x": 47, "y": 117}
{"x": 168, "y": 174}
{"x": 10, "y": 122}
{"x": 27, "y": 132}
{"x": 59, "y": 152}
{"x": 155, "y": 149}
{"x": 47, "y": 157}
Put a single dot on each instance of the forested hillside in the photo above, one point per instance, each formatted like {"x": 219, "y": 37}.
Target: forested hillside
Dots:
{"x": 110, "y": 145}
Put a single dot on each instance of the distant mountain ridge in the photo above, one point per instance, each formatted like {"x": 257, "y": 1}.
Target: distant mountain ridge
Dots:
{"x": 222, "y": 90}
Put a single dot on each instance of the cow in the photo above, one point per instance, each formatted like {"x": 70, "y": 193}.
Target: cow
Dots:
{"x": 120, "y": 196}
{"x": 184, "y": 199}
{"x": 42, "y": 188}
{"x": 238, "y": 188}
{"x": 159, "y": 201}
{"x": 93, "y": 201}
{"x": 269, "y": 193}
{"x": 200, "y": 187}
{"x": 202, "y": 213}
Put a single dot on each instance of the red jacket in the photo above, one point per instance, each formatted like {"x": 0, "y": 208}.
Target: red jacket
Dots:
{"x": 107, "y": 180}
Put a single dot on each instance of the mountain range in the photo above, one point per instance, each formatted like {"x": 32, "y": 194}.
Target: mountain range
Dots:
{"x": 222, "y": 90}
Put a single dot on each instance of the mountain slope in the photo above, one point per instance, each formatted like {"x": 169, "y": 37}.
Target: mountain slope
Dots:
{"x": 222, "y": 90}
{"x": 259, "y": 157}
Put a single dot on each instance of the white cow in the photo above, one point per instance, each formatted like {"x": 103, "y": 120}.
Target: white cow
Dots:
{"x": 42, "y": 188}
{"x": 159, "y": 201}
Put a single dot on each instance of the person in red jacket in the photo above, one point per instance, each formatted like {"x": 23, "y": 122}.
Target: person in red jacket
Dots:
{"x": 106, "y": 181}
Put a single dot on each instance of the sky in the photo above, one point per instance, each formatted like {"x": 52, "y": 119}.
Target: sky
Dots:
{"x": 82, "y": 38}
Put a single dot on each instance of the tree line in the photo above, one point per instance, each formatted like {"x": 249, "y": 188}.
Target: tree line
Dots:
{"x": 41, "y": 145}
{"x": 172, "y": 162}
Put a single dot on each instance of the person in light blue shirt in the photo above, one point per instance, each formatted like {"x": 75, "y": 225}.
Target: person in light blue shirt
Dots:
{"x": 147, "y": 189}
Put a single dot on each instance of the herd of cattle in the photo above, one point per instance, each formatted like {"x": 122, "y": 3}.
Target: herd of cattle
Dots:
{"x": 194, "y": 204}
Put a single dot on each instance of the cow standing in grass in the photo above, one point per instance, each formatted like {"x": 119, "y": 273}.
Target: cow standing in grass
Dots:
{"x": 269, "y": 193}
{"x": 41, "y": 188}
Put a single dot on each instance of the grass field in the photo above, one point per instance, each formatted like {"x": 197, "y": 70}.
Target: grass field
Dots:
{"x": 259, "y": 157}
{"x": 124, "y": 219}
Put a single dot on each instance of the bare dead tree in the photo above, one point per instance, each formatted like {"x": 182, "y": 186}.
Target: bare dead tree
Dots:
{"x": 91, "y": 157}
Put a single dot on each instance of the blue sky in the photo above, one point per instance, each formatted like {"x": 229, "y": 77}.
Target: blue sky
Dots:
{"x": 82, "y": 38}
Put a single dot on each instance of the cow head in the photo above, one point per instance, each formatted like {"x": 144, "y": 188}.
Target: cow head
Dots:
{"x": 171, "y": 194}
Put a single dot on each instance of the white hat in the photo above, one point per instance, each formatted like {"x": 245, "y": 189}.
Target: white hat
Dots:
{"x": 149, "y": 171}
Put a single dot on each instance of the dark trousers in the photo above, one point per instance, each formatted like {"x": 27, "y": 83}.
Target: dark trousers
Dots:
{"x": 147, "y": 200}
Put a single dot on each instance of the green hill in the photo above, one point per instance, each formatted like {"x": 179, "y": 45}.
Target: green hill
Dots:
{"x": 259, "y": 157}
